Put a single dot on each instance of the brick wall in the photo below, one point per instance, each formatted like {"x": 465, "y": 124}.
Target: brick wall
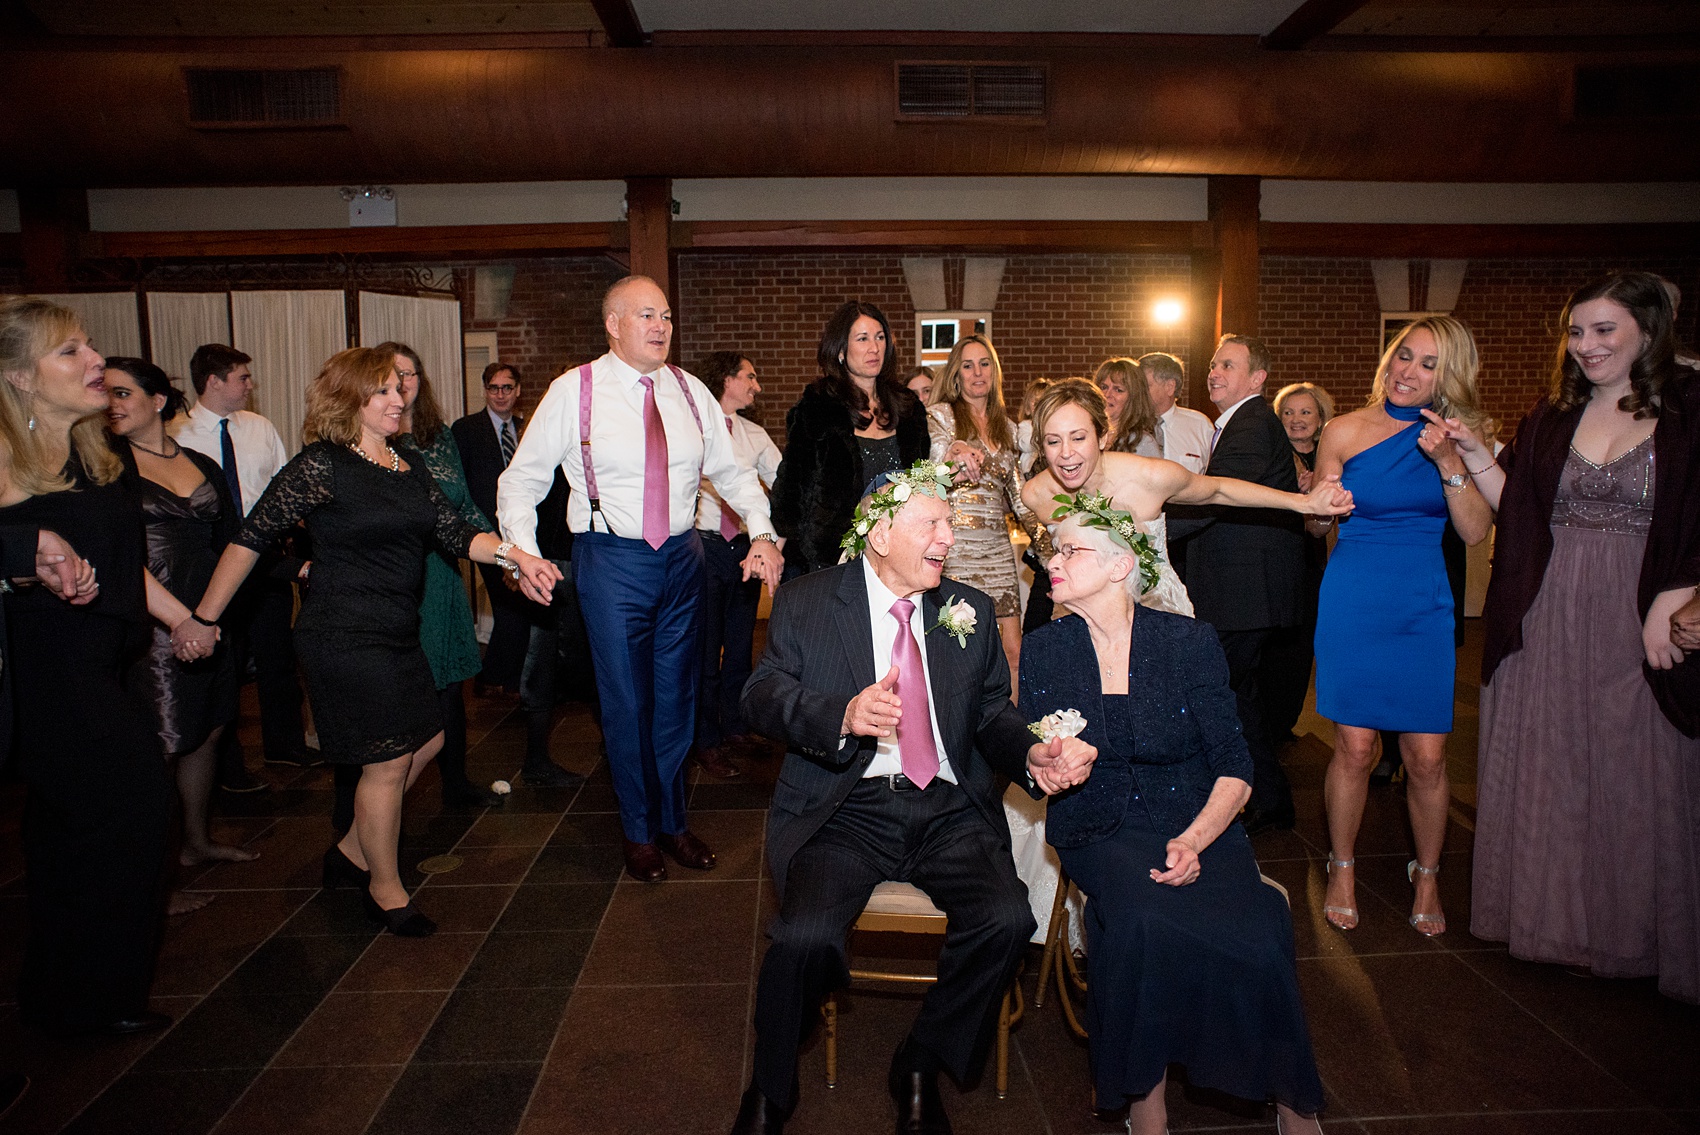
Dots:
{"x": 1321, "y": 319}
{"x": 1056, "y": 315}
{"x": 553, "y": 320}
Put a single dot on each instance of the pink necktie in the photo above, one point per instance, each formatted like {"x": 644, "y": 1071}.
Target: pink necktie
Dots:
{"x": 728, "y": 518}
{"x": 915, "y": 746}
{"x": 657, "y": 523}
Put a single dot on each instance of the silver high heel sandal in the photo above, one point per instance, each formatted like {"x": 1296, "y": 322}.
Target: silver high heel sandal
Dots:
{"x": 1419, "y": 921}
{"x": 1345, "y": 912}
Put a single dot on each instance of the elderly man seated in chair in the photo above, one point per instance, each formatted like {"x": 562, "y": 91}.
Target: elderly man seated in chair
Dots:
{"x": 889, "y": 687}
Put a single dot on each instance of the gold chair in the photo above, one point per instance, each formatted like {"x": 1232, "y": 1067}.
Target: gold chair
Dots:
{"x": 1060, "y": 959}
{"x": 898, "y": 908}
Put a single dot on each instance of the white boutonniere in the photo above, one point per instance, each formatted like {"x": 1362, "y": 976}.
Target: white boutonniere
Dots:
{"x": 1063, "y": 723}
{"x": 957, "y": 619}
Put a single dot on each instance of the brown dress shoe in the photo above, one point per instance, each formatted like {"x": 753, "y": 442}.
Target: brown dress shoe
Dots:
{"x": 715, "y": 763}
{"x": 644, "y": 862}
{"x": 687, "y": 850}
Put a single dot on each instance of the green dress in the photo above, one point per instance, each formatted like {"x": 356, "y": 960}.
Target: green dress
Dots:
{"x": 446, "y": 632}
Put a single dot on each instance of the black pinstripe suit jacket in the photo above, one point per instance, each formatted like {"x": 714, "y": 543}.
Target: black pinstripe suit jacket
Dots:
{"x": 820, "y": 654}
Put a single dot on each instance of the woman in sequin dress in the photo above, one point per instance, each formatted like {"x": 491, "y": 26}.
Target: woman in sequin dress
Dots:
{"x": 968, "y": 424}
{"x": 1588, "y": 815}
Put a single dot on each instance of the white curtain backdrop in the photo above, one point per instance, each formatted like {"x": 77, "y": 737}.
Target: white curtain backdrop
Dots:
{"x": 111, "y": 319}
{"x": 289, "y": 335}
{"x": 178, "y": 322}
{"x": 432, "y": 328}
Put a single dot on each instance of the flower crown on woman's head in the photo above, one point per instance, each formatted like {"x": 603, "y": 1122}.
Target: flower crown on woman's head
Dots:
{"x": 930, "y": 477}
{"x": 1094, "y": 511}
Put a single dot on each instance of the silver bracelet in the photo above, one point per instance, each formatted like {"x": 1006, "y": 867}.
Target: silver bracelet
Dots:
{"x": 1479, "y": 472}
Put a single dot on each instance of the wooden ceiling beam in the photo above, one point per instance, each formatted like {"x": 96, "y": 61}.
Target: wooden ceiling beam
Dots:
{"x": 1307, "y": 22}
{"x": 620, "y": 21}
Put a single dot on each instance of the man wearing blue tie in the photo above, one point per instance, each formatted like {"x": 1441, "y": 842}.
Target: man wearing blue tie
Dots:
{"x": 247, "y": 447}
{"x": 634, "y": 437}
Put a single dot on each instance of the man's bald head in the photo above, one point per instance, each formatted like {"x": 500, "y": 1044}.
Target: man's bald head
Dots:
{"x": 638, "y": 322}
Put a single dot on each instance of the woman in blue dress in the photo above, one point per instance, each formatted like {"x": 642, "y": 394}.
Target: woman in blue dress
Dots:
{"x": 1384, "y": 651}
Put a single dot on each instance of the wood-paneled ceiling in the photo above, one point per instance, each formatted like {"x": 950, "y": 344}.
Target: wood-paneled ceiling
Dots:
{"x": 295, "y": 18}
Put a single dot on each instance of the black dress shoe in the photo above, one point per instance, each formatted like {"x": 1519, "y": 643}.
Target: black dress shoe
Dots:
{"x": 758, "y": 1115}
{"x": 644, "y": 862}
{"x": 402, "y": 921}
{"x": 1256, "y": 820}
{"x": 340, "y": 871}
{"x": 687, "y": 850}
{"x": 550, "y": 775}
{"x": 469, "y": 795}
{"x": 920, "y": 1109}
{"x": 143, "y": 1022}
{"x": 716, "y": 763}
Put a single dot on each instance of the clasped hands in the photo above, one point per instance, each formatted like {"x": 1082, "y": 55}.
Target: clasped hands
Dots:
{"x": 764, "y": 561}
{"x": 1055, "y": 765}
{"x": 1327, "y": 497}
{"x": 966, "y": 456}
{"x": 191, "y": 640}
{"x": 62, "y": 571}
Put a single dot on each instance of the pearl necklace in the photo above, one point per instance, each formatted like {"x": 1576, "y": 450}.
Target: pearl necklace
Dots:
{"x": 395, "y": 458}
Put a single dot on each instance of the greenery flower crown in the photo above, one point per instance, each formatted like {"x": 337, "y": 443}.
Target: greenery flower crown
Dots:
{"x": 1094, "y": 511}
{"x": 930, "y": 477}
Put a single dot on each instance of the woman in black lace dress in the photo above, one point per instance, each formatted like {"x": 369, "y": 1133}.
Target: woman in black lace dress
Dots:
{"x": 374, "y": 513}
{"x": 190, "y": 517}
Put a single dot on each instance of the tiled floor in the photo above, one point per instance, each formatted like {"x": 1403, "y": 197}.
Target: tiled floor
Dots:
{"x": 559, "y": 998}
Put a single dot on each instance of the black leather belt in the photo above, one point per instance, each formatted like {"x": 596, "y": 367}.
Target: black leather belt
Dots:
{"x": 901, "y": 783}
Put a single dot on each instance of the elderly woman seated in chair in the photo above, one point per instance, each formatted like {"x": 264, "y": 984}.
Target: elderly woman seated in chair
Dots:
{"x": 1190, "y": 955}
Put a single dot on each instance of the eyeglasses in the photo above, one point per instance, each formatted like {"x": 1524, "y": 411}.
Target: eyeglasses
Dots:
{"x": 407, "y": 374}
{"x": 501, "y": 388}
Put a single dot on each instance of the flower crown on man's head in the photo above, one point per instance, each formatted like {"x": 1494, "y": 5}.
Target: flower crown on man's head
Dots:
{"x": 1094, "y": 511}
{"x": 890, "y": 491}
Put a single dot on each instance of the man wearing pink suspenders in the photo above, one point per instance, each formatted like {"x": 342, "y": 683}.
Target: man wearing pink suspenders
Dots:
{"x": 634, "y": 437}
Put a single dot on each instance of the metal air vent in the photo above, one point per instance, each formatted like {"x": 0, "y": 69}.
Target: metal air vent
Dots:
{"x": 991, "y": 91}
{"x": 310, "y": 97}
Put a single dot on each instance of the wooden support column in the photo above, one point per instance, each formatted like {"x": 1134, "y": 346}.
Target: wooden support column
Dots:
{"x": 649, "y": 218}
{"x": 55, "y": 226}
{"x": 1206, "y": 308}
{"x": 1234, "y": 213}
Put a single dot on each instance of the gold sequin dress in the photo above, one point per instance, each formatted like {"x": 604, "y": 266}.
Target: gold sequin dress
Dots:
{"x": 983, "y": 556}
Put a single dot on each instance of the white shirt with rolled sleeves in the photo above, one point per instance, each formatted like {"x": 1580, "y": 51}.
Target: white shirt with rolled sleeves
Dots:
{"x": 1186, "y": 437}
{"x": 259, "y": 449}
{"x": 753, "y": 448}
{"x": 551, "y": 440}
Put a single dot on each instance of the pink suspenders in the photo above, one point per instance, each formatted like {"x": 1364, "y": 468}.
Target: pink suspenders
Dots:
{"x": 584, "y": 436}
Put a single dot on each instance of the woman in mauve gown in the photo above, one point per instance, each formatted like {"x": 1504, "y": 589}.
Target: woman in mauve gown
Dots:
{"x": 1588, "y": 811}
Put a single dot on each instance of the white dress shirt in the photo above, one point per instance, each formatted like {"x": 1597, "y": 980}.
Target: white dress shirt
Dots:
{"x": 887, "y": 760}
{"x": 497, "y": 422}
{"x": 1186, "y": 437}
{"x": 259, "y": 450}
{"x": 1222, "y": 420}
{"x": 754, "y": 450}
{"x": 551, "y": 440}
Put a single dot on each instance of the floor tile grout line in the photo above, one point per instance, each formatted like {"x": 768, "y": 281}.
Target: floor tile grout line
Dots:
{"x": 567, "y": 1006}
{"x": 125, "y": 1071}
{"x": 1027, "y": 1074}
{"x": 1463, "y": 959}
{"x": 377, "y": 1111}
{"x": 746, "y": 1058}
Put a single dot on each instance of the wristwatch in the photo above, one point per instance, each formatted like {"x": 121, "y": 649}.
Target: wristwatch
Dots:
{"x": 768, "y": 536}
{"x": 1456, "y": 481}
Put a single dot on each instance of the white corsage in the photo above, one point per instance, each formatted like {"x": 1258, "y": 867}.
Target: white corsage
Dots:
{"x": 501, "y": 787}
{"x": 957, "y": 619}
{"x": 1063, "y": 723}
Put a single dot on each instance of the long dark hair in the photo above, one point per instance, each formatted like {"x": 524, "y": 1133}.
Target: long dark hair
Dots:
{"x": 153, "y": 382}
{"x": 894, "y": 398}
{"x": 1643, "y": 295}
{"x": 427, "y": 418}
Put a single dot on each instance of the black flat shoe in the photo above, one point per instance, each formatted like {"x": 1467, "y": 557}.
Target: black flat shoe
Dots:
{"x": 402, "y": 921}
{"x": 340, "y": 871}
{"x": 758, "y": 1115}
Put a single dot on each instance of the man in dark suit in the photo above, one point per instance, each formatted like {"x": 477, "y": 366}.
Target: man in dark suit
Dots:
{"x": 487, "y": 439}
{"x": 1245, "y": 567}
{"x": 893, "y": 772}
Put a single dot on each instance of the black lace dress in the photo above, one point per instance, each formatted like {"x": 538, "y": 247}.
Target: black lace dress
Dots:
{"x": 186, "y": 535}
{"x": 358, "y": 632}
